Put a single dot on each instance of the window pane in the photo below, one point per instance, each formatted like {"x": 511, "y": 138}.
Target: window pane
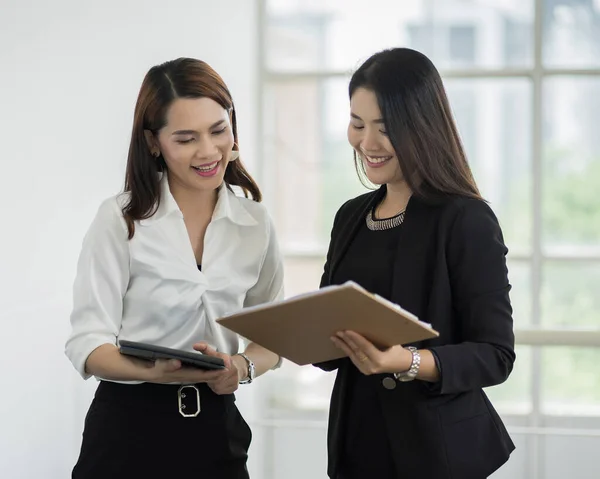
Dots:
{"x": 519, "y": 275}
{"x": 337, "y": 34}
{"x": 571, "y": 170}
{"x": 570, "y": 381}
{"x": 514, "y": 396}
{"x": 571, "y": 33}
{"x": 302, "y": 274}
{"x": 296, "y": 388}
{"x": 518, "y": 465}
{"x": 293, "y": 387}
{"x": 313, "y": 170}
{"x": 494, "y": 120}
{"x": 570, "y": 456}
{"x": 307, "y": 388}
{"x": 306, "y": 122}
{"x": 570, "y": 296}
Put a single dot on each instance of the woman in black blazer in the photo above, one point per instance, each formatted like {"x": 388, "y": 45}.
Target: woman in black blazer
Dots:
{"x": 426, "y": 240}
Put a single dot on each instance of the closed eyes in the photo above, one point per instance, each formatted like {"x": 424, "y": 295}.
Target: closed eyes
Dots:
{"x": 184, "y": 141}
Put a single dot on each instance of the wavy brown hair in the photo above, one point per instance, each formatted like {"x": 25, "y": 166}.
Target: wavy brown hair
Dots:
{"x": 181, "y": 78}
{"x": 418, "y": 121}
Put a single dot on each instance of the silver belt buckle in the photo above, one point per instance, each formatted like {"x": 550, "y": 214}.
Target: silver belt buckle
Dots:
{"x": 182, "y": 394}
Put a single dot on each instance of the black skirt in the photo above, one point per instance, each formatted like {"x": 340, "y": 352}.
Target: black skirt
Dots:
{"x": 139, "y": 431}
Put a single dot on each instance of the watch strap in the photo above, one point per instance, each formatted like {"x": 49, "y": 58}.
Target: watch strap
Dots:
{"x": 251, "y": 369}
{"x": 412, "y": 372}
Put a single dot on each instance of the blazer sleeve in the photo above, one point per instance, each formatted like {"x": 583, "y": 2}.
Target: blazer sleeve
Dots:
{"x": 335, "y": 363}
{"x": 476, "y": 258}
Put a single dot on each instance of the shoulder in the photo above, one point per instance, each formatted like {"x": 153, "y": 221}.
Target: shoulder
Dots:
{"x": 250, "y": 212}
{"x": 468, "y": 211}
{"x": 112, "y": 208}
{"x": 109, "y": 216}
{"x": 449, "y": 209}
{"x": 251, "y": 206}
{"x": 453, "y": 218}
{"x": 471, "y": 222}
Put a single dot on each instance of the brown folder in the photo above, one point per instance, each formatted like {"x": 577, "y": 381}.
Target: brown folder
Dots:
{"x": 300, "y": 328}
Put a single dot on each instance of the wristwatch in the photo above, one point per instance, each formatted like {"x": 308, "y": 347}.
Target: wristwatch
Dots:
{"x": 414, "y": 366}
{"x": 251, "y": 369}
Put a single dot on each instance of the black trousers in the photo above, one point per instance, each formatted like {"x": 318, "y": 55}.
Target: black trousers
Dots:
{"x": 138, "y": 431}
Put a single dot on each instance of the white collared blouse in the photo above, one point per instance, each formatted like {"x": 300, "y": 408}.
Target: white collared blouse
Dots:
{"x": 149, "y": 288}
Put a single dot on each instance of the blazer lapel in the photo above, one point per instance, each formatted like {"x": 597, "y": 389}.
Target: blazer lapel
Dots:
{"x": 412, "y": 255}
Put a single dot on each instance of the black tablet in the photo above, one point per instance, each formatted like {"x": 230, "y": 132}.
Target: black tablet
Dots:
{"x": 151, "y": 352}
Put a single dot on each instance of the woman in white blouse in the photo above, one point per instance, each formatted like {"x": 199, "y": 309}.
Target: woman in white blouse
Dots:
{"x": 159, "y": 264}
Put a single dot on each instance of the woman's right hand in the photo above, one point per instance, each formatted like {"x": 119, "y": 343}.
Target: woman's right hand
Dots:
{"x": 166, "y": 371}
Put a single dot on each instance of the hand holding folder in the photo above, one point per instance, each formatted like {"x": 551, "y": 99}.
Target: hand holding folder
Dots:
{"x": 299, "y": 328}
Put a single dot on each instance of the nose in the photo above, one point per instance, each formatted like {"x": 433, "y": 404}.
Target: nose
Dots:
{"x": 369, "y": 142}
{"x": 206, "y": 148}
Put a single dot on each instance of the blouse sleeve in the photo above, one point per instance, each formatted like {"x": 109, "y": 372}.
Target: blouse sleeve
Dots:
{"x": 101, "y": 282}
{"x": 269, "y": 286}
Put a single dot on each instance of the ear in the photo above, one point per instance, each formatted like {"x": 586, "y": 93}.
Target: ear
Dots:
{"x": 152, "y": 143}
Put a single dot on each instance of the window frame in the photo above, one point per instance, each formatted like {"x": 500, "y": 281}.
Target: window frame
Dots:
{"x": 535, "y": 336}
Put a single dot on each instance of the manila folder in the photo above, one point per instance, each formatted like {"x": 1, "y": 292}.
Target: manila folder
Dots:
{"x": 299, "y": 328}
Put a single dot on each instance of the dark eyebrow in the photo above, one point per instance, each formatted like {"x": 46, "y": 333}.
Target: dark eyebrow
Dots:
{"x": 192, "y": 132}
{"x": 219, "y": 123}
{"x": 356, "y": 117}
{"x": 184, "y": 132}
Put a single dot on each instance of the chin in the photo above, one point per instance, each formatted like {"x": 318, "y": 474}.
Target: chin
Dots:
{"x": 209, "y": 183}
{"x": 380, "y": 179}
{"x": 383, "y": 176}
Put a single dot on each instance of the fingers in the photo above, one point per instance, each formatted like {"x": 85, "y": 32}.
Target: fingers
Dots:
{"x": 169, "y": 373}
{"x": 167, "y": 365}
{"x": 204, "y": 348}
{"x": 224, "y": 380}
{"x": 226, "y": 384}
{"x": 340, "y": 343}
{"x": 357, "y": 358}
{"x": 205, "y": 376}
{"x": 356, "y": 351}
{"x": 359, "y": 343}
{"x": 360, "y": 351}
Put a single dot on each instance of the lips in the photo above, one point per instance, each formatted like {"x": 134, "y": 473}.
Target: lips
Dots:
{"x": 376, "y": 161}
{"x": 208, "y": 169}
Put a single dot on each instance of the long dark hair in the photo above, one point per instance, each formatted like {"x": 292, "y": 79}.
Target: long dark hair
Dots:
{"x": 418, "y": 121}
{"x": 181, "y": 78}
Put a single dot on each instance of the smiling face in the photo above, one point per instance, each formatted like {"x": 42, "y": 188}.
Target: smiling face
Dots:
{"x": 196, "y": 143}
{"x": 367, "y": 135}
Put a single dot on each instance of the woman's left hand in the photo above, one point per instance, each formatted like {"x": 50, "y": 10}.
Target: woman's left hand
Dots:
{"x": 368, "y": 358}
{"x": 228, "y": 382}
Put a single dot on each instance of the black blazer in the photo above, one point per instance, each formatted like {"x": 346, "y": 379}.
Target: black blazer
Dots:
{"x": 450, "y": 270}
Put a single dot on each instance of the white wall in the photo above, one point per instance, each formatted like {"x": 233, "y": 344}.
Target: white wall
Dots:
{"x": 69, "y": 75}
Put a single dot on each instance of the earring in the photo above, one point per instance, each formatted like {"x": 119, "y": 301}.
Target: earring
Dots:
{"x": 234, "y": 155}
{"x": 156, "y": 154}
